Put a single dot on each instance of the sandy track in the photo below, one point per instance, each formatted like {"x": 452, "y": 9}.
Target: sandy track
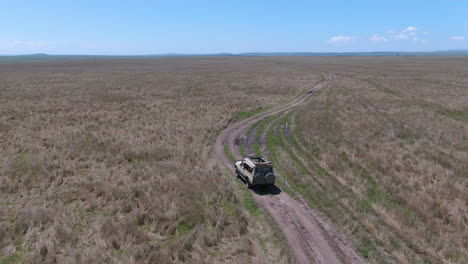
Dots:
{"x": 310, "y": 238}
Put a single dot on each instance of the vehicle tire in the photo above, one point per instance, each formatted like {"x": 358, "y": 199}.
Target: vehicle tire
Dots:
{"x": 247, "y": 183}
{"x": 270, "y": 179}
{"x": 239, "y": 175}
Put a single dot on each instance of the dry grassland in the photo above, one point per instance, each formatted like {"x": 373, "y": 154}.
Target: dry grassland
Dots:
{"x": 383, "y": 153}
{"x": 112, "y": 161}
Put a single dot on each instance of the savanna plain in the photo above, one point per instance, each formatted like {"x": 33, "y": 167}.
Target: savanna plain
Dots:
{"x": 112, "y": 161}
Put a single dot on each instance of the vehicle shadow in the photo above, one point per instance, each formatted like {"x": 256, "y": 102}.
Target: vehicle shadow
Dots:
{"x": 263, "y": 190}
{"x": 266, "y": 190}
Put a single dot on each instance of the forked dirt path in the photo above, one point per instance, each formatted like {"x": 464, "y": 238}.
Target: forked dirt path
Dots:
{"x": 310, "y": 238}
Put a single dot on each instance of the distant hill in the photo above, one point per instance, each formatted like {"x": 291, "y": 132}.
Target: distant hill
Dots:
{"x": 37, "y": 54}
{"x": 38, "y": 57}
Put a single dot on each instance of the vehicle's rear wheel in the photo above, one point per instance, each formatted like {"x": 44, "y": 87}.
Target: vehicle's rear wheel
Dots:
{"x": 270, "y": 178}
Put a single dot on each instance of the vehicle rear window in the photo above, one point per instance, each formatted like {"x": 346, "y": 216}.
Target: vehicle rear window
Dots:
{"x": 263, "y": 170}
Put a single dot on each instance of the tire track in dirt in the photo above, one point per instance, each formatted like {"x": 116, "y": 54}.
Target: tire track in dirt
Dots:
{"x": 310, "y": 238}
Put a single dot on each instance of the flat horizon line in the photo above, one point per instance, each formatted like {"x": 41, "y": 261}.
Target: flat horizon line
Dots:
{"x": 233, "y": 53}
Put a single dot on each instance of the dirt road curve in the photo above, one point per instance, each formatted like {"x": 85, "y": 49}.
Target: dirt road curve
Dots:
{"x": 310, "y": 238}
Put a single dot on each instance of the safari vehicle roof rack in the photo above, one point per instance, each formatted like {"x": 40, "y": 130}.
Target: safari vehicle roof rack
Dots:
{"x": 258, "y": 160}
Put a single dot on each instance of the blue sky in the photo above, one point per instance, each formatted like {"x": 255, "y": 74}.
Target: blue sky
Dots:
{"x": 155, "y": 27}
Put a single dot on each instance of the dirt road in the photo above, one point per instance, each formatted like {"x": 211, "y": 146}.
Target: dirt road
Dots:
{"x": 311, "y": 239}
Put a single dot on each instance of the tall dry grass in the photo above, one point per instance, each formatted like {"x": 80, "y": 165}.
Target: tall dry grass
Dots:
{"x": 112, "y": 161}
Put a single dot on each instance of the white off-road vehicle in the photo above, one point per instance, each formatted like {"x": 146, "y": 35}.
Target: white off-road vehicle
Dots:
{"x": 255, "y": 171}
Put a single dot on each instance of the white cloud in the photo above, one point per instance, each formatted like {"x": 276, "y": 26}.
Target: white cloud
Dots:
{"x": 466, "y": 24}
{"x": 342, "y": 39}
{"x": 457, "y": 38}
{"x": 409, "y": 29}
{"x": 409, "y": 33}
{"x": 377, "y": 38}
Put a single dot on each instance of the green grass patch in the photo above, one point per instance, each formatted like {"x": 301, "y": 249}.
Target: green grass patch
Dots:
{"x": 252, "y": 127}
{"x": 366, "y": 248}
{"x": 183, "y": 229}
{"x": 248, "y": 200}
{"x": 246, "y": 114}
{"x": 217, "y": 253}
{"x": 243, "y": 150}
{"x": 228, "y": 153}
{"x": 251, "y": 206}
{"x": 390, "y": 91}
{"x": 229, "y": 208}
{"x": 274, "y": 143}
{"x": 322, "y": 76}
{"x": 257, "y": 149}
{"x": 262, "y": 243}
{"x": 120, "y": 253}
{"x": 454, "y": 114}
{"x": 136, "y": 160}
{"x": 22, "y": 157}
{"x": 261, "y": 127}
{"x": 13, "y": 258}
